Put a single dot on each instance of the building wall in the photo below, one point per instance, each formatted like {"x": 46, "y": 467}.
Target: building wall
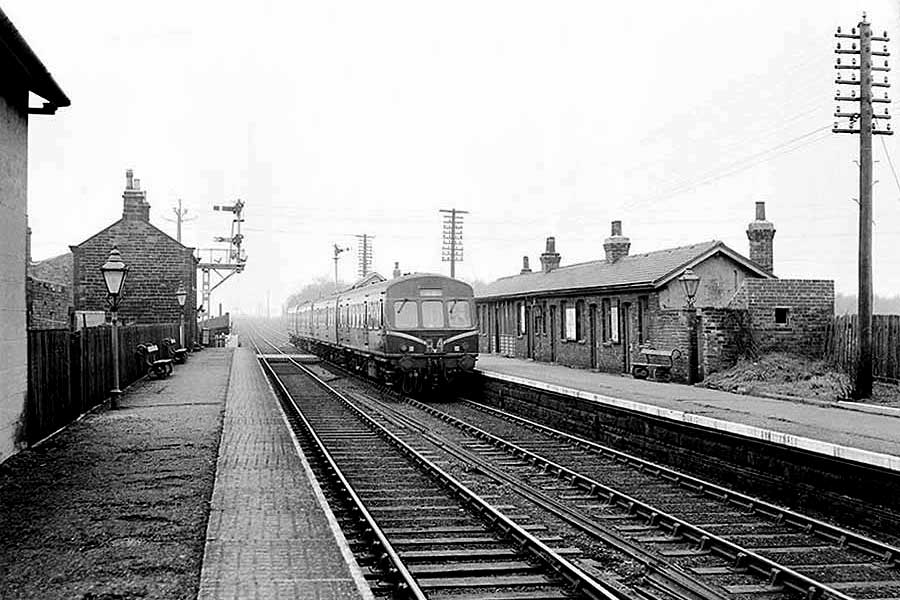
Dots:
{"x": 809, "y": 305}
{"x": 13, "y": 195}
{"x": 725, "y": 336}
{"x": 720, "y": 279}
{"x": 49, "y": 304}
{"x": 157, "y": 265}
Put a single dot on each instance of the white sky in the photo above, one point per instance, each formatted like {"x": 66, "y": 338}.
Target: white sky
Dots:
{"x": 541, "y": 118}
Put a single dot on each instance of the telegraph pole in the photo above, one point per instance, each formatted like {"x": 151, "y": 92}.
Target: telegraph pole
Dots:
{"x": 180, "y": 218}
{"x": 337, "y": 253}
{"x": 861, "y": 46}
{"x": 452, "y": 249}
{"x": 365, "y": 254}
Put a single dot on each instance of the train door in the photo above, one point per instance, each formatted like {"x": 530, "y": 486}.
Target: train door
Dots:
{"x": 592, "y": 337}
{"x": 625, "y": 328}
{"x": 553, "y": 333}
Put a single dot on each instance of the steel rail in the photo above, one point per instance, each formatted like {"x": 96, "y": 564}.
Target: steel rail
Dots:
{"x": 809, "y": 525}
{"x": 661, "y": 574}
{"x": 706, "y": 541}
{"x": 404, "y": 583}
{"x": 578, "y": 579}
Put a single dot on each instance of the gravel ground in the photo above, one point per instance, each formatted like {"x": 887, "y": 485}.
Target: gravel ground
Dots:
{"x": 115, "y": 506}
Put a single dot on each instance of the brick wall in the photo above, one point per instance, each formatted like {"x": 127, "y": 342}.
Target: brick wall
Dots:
{"x": 157, "y": 265}
{"x": 724, "y": 337}
{"x": 49, "y": 304}
{"x": 672, "y": 331}
{"x": 13, "y": 194}
{"x": 807, "y": 304}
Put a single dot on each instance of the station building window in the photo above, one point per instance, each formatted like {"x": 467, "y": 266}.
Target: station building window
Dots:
{"x": 571, "y": 320}
{"x": 521, "y": 318}
{"x": 782, "y": 315}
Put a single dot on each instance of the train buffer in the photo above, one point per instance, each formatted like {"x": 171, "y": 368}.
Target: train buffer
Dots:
{"x": 656, "y": 364}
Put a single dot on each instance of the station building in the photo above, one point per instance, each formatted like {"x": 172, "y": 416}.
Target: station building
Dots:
{"x": 601, "y": 314}
{"x": 23, "y": 74}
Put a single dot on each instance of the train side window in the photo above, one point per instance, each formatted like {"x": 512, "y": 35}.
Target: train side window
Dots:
{"x": 405, "y": 314}
{"x": 458, "y": 313}
{"x": 432, "y": 314}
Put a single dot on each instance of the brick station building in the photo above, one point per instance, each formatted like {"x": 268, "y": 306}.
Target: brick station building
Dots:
{"x": 599, "y": 314}
{"x": 157, "y": 265}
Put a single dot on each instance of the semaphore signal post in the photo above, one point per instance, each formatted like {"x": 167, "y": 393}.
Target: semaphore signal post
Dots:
{"x": 862, "y": 120}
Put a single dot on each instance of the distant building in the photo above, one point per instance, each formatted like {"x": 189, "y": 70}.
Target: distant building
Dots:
{"x": 599, "y": 314}
{"x": 23, "y": 73}
{"x": 157, "y": 265}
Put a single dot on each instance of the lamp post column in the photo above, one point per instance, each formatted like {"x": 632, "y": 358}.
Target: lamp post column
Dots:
{"x": 115, "y": 392}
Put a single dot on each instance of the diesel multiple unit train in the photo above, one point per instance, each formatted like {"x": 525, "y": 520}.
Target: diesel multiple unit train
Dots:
{"x": 415, "y": 331}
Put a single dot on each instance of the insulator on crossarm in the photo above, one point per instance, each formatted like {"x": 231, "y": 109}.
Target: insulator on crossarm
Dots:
{"x": 853, "y": 31}
{"x": 839, "y": 60}
{"x": 839, "y": 29}
{"x": 884, "y": 48}
{"x": 853, "y": 62}
{"x": 853, "y": 76}
{"x": 853, "y": 46}
{"x": 835, "y": 125}
{"x": 853, "y": 93}
{"x": 885, "y": 79}
{"x": 888, "y": 126}
{"x": 839, "y": 46}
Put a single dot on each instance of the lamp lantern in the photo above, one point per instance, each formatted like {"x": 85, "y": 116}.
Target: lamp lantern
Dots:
{"x": 690, "y": 281}
{"x": 114, "y": 273}
{"x": 181, "y": 294}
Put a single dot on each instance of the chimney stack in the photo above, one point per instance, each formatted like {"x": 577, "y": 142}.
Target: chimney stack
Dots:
{"x": 134, "y": 201}
{"x": 550, "y": 257}
{"x": 397, "y": 272}
{"x": 526, "y": 268}
{"x": 760, "y": 233}
{"x": 616, "y": 245}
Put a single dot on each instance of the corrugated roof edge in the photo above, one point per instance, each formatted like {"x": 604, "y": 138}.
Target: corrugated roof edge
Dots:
{"x": 36, "y": 74}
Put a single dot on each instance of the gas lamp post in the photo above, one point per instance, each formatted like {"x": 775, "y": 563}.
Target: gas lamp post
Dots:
{"x": 690, "y": 281}
{"x": 114, "y": 273}
{"x": 181, "y": 296}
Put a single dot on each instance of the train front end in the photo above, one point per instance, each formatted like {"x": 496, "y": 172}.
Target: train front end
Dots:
{"x": 430, "y": 331}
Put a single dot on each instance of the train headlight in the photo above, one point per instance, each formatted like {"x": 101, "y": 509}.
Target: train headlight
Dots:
{"x": 456, "y": 348}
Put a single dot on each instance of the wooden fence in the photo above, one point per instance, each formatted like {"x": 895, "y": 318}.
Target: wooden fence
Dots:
{"x": 841, "y": 344}
{"x": 71, "y": 372}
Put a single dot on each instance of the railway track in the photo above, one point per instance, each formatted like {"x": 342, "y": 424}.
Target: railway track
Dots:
{"x": 421, "y": 532}
{"x": 679, "y": 528}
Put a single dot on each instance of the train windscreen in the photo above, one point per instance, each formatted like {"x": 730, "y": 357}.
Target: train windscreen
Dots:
{"x": 458, "y": 313}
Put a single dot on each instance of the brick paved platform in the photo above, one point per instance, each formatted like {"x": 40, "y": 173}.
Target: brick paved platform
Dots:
{"x": 270, "y": 532}
{"x": 837, "y": 430}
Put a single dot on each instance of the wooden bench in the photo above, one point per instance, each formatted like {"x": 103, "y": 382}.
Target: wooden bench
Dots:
{"x": 656, "y": 364}
{"x": 159, "y": 367}
{"x": 179, "y": 355}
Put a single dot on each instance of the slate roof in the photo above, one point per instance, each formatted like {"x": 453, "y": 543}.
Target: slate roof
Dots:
{"x": 17, "y": 56}
{"x": 649, "y": 270}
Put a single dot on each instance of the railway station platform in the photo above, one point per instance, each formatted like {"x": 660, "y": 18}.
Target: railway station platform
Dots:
{"x": 868, "y": 435}
{"x": 116, "y": 504}
{"x": 270, "y": 532}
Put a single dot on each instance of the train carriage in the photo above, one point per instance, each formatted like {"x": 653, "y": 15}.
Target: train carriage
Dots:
{"x": 414, "y": 331}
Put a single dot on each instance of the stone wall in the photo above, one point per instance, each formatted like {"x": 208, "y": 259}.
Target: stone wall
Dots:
{"x": 157, "y": 265}
{"x": 806, "y": 307}
{"x": 49, "y": 304}
{"x": 13, "y": 198}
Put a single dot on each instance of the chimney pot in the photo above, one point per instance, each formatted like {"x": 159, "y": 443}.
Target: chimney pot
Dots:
{"x": 526, "y": 268}
{"x": 617, "y": 228}
{"x": 551, "y": 245}
{"x": 129, "y": 179}
{"x": 760, "y": 211}
{"x": 137, "y": 184}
